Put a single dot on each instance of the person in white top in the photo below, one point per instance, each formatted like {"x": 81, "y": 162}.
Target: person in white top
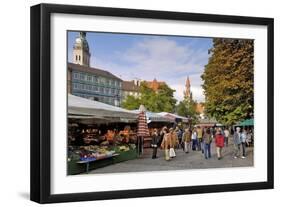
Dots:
{"x": 194, "y": 140}
{"x": 226, "y": 136}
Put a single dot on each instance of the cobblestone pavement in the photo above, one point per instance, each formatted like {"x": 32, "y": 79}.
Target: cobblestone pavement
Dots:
{"x": 191, "y": 160}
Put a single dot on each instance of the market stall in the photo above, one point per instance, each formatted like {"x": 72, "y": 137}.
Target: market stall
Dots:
{"x": 154, "y": 120}
{"x": 174, "y": 117}
{"x": 99, "y": 134}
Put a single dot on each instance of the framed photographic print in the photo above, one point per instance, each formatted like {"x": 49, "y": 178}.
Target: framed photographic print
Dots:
{"x": 132, "y": 103}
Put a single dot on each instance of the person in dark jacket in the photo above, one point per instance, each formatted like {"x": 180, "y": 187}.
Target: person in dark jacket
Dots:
{"x": 154, "y": 143}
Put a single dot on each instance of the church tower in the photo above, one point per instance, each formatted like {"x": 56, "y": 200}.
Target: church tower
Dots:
{"x": 81, "y": 52}
{"x": 187, "y": 92}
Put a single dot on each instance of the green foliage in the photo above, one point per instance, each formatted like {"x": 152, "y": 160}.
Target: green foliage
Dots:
{"x": 187, "y": 108}
{"x": 131, "y": 103}
{"x": 229, "y": 79}
{"x": 155, "y": 101}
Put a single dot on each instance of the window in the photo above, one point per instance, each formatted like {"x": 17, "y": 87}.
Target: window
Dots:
{"x": 102, "y": 81}
{"x": 89, "y": 78}
{"x": 79, "y": 57}
{"x": 106, "y": 91}
{"x": 75, "y": 76}
{"x": 95, "y": 79}
{"x": 75, "y": 86}
{"x": 76, "y": 57}
{"x": 102, "y": 90}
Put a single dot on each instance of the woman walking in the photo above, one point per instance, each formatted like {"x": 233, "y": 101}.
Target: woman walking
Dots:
{"x": 166, "y": 143}
{"x": 174, "y": 142}
{"x": 219, "y": 143}
{"x": 207, "y": 139}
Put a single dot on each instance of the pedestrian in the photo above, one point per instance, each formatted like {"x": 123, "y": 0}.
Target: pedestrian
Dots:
{"x": 174, "y": 142}
{"x": 162, "y": 135}
{"x": 199, "y": 138}
{"x": 243, "y": 143}
{"x": 187, "y": 139}
{"x": 207, "y": 140}
{"x": 226, "y": 136}
{"x": 237, "y": 142}
{"x": 194, "y": 140}
{"x": 219, "y": 142}
{"x": 154, "y": 143}
{"x": 249, "y": 138}
{"x": 179, "y": 134}
{"x": 166, "y": 143}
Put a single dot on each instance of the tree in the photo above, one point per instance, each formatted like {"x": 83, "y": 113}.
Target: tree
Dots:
{"x": 155, "y": 101}
{"x": 229, "y": 80}
{"x": 131, "y": 103}
{"x": 187, "y": 108}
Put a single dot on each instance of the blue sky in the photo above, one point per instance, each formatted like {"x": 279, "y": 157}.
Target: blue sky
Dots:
{"x": 166, "y": 58}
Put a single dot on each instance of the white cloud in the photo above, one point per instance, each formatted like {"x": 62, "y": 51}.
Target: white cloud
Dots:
{"x": 163, "y": 59}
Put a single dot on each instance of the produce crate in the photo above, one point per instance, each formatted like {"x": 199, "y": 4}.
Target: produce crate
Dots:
{"x": 73, "y": 168}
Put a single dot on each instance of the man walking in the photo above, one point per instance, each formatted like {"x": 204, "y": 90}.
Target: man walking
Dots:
{"x": 226, "y": 136}
{"x": 237, "y": 142}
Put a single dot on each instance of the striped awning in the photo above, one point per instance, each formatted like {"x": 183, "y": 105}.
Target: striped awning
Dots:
{"x": 142, "y": 125}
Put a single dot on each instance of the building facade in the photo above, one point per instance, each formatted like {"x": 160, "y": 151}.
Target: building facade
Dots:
{"x": 131, "y": 88}
{"x": 88, "y": 82}
{"x": 154, "y": 85}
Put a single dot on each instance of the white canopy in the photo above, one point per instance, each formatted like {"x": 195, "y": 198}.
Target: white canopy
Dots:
{"x": 174, "y": 116}
{"x": 154, "y": 117}
{"x": 85, "y": 108}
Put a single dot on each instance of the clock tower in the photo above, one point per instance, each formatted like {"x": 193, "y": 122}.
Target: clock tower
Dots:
{"x": 81, "y": 51}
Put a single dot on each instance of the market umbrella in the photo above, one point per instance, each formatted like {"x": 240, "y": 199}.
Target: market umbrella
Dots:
{"x": 246, "y": 122}
{"x": 142, "y": 128}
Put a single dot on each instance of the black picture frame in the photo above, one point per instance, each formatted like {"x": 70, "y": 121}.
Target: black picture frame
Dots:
{"x": 41, "y": 98}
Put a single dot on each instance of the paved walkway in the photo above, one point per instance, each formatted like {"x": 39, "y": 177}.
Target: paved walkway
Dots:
{"x": 191, "y": 160}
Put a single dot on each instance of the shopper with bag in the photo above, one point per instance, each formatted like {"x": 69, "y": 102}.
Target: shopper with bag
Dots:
{"x": 174, "y": 142}
{"x": 166, "y": 143}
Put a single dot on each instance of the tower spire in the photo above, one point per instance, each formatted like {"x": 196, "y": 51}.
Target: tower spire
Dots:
{"x": 81, "y": 51}
{"x": 187, "y": 92}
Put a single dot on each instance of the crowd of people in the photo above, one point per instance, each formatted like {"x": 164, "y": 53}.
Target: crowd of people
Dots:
{"x": 200, "y": 139}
